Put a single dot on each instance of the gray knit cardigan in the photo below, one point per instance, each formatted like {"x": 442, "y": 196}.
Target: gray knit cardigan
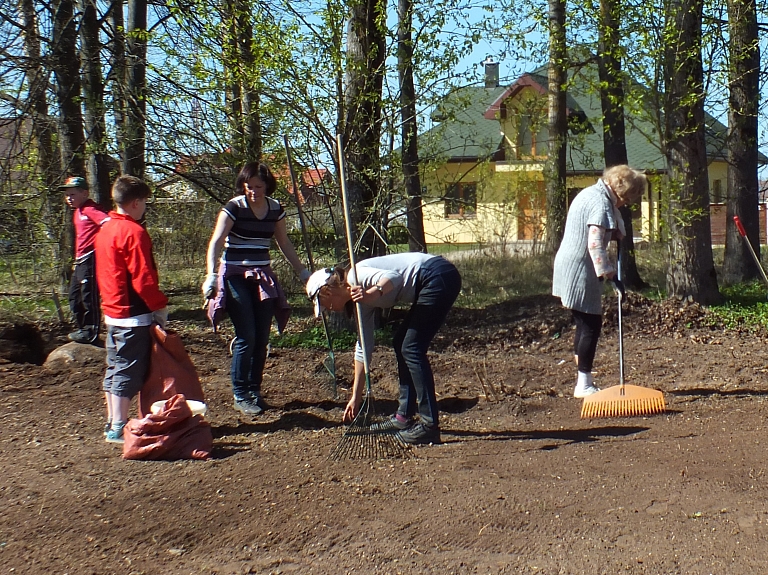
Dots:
{"x": 574, "y": 279}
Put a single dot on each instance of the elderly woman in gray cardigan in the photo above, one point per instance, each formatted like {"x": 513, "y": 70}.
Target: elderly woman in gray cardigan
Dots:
{"x": 582, "y": 262}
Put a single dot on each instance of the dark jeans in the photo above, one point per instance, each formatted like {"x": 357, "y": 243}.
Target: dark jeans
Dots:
{"x": 439, "y": 286}
{"x": 588, "y": 327}
{"x": 84, "y": 295}
{"x": 252, "y": 319}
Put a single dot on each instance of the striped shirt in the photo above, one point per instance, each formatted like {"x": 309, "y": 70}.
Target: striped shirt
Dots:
{"x": 249, "y": 240}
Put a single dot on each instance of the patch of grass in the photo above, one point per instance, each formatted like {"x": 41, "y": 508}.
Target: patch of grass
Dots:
{"x": 28, "y": 308}
{"x": 488, "y": 279}
{"x": 182, "y": 278}
{"x": 745, "y": 308}
{"x": 314, "y": 338}
{"x": 448, "y": 249}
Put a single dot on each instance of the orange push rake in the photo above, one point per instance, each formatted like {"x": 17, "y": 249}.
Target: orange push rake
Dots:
{"x": 622, "y": 400}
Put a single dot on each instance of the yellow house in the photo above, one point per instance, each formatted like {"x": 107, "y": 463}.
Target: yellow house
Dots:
{"x": 483, "y": 160}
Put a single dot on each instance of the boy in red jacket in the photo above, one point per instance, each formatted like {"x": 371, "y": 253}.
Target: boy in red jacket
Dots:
{"x": 87, "y": 218}
{"x": 130, "y": 299}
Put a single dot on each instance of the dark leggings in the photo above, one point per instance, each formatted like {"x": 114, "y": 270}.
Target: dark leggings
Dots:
{"x": 585, "y": 341}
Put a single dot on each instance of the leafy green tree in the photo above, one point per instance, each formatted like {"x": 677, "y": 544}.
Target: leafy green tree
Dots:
{"x": 691, "y": 272}
{"x": 558, "y": 127}
{"x": 366, "y": 56}
{"x": 609, "y": 52}
{"x": 409, "y": 130}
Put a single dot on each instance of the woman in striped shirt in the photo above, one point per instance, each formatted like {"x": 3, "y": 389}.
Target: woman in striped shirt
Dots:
{"x": 245, "y": 284}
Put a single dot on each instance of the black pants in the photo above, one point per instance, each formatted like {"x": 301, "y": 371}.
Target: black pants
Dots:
{"x": 84, "y": 294}
{"x": 585, "y": 341}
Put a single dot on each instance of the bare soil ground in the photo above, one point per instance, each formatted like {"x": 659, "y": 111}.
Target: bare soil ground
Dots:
{"x": 520, "y": 483}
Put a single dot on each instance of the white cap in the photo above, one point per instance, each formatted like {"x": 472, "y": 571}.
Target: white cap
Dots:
{"x": 316, "y": 281}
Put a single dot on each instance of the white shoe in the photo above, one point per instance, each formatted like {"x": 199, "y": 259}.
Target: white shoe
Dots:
{"x": 585, "y": 386}
{"x": 583, "y": 391}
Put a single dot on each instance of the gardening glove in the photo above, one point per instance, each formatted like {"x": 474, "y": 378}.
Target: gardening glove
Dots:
{"x": 209, "y": 286}
{"x": 618, "y": 285}
{"x": 160, "y": 317}
{"x": 304, "y": 275}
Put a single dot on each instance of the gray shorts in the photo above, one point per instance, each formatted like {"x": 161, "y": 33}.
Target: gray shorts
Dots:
{"x": 128, "y": 351}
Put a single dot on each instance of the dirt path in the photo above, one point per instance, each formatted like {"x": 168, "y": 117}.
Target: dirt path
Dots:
{"x": 520, "y": 485}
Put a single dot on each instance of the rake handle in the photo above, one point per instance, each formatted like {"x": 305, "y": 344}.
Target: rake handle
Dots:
{"x": 621, "y": 327}
{"x": 350, "y": 247}
{"x": 743, "y": 233}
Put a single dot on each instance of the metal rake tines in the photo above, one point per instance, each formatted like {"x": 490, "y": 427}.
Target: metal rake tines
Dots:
{"x": 623, "y": 407}
{"x": 359, "y": 442}
{"x": 362, "y": 443}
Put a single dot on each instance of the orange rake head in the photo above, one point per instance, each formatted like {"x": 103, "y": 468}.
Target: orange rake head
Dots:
{"x": 623, "y": 401}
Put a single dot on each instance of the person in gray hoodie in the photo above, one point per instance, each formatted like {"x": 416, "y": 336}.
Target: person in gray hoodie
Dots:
{"x": 582, "y": 264}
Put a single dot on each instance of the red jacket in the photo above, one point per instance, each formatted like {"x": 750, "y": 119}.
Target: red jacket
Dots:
{"x": 87, "y": 219}
{"x": 125, "y": 269}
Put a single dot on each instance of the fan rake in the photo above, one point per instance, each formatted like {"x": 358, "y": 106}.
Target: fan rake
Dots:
{"x": 359, "y": 440}
{"x": 622, "y": 400}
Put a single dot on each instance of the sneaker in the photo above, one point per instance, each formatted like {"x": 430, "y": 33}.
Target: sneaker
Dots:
{"x": 392, "y": 423}
{"x": 585, "y": 390}
{"x": 258, "y": 400}
{"x": 115, "y": 434}
{"x": 420, "y": 434}
{"x": 83, "y": 336}
{"x": 248, "y": 406}
{"x": 107, "y": 426}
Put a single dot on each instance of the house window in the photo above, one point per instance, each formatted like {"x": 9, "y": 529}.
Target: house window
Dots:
{"x": 461, "y": 200}
{"x": 717, "y": 191}
{"x": 531, "y": 138}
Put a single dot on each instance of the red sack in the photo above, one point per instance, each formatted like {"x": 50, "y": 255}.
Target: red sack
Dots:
{"x": 171, "y": 371}
{"x": 172, "y": 433}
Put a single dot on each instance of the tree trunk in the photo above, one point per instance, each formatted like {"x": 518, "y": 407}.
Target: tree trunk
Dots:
{"x": 366, "y": 52}
{"x": 66, "y": 68}
{"x": 134, "y": 162}
{"x": 93, "y": 95}
{"x": 744, "y": 98}
{"x": 232, "y": 91}
{"x": 117, "y": 54}
{"x": 251, "y": 118}
{"x": 410, "y": 150}
{"x": 614, "y": 137}
{"x": 556, "y": 161}
{"x": 47, "y": 171}
{"x": 48, "y": 168}
{"x": 691, "y": 273}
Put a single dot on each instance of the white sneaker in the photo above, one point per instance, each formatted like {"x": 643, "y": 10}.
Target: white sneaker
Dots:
{"x": 583, "y": 391}
{"x": 585, "y": 386}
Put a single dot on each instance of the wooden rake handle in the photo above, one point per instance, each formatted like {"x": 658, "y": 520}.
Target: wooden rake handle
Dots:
{"x": 351, "y": 249}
